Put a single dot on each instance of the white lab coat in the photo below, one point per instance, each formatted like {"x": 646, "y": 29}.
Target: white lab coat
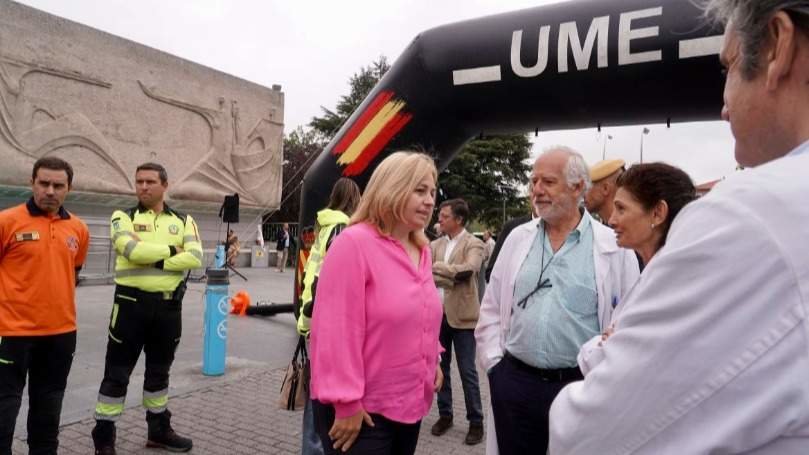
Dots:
{"x": 616, "y": 269}
{"x": 710, "y": 353}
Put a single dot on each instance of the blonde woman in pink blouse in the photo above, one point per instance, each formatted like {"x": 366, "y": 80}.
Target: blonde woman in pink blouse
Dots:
{"x": 374, "y": 345}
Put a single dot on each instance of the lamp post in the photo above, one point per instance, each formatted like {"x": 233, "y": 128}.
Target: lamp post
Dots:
{"x": 644, "y": 131}
{"x": 604, "y": 148}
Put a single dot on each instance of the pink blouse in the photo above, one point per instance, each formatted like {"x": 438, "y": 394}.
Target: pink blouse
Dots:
{"x": 374, "y": 343}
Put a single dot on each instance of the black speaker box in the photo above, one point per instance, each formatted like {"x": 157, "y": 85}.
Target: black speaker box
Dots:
{"x": 230, "y": 209}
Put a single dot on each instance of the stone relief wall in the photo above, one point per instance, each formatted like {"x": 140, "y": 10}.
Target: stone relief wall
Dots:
{"x": 106, "y": 104}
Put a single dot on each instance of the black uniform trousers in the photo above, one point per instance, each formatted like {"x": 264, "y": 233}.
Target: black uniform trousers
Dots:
{"x": 141, "y": 321}
{"x": 46, "y": 360}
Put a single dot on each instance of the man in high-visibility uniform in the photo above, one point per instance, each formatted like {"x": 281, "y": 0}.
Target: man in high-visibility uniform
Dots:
{"x": 42, "y": 248}
{"x": 155, "y": 246}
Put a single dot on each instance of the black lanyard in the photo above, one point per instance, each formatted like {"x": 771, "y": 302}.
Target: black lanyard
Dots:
{"x": 541, "y": 283}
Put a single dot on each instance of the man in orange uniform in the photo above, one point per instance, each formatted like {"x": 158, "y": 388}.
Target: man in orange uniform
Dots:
{"x": 42, "y": 249}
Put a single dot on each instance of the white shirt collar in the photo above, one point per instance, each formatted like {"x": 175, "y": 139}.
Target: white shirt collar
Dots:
{"x": 803, "y": 148}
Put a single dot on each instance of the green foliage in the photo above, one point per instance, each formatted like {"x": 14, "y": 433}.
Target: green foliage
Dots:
{"x": 487, "y": 172}
{"x": 360, "y": 84}
{"x": 300, "y": 149}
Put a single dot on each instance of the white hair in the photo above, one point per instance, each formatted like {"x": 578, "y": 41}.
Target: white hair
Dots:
{"x": 576, "y": 170}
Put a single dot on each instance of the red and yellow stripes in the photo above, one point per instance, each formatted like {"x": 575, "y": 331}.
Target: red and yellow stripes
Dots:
{"x": 372, "y": 131}
{"x": 303, "y": 256}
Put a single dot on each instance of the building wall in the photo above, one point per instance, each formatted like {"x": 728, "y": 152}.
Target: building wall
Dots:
{"x": 106, "y": 104}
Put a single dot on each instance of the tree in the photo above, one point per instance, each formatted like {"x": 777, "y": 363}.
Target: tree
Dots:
{"x": 300, "y": 149}
{"x": 360, "y": 84}
{"x": 490, "y": 174}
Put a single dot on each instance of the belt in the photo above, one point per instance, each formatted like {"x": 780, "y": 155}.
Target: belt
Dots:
{"x": 547, "y": 375}
{"x": 150, "y": 295}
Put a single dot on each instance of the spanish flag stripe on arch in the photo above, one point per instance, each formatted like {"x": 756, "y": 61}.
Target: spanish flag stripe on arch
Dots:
{"x": 376, "y": 146}
{"x": 374, "y": 129}
{"x": 362, "y": 122}
{"x": 381, "y": 120}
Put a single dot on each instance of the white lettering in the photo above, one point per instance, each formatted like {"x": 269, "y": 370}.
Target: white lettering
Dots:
{"x": 626, "y": 35}
{"x": 569, "y": 35}
{"x": 476, "y": 75}
{"x": 542, "y": 53}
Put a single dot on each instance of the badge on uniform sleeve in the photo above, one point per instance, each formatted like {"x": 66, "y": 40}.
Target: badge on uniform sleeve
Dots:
{"x": 174, "y": 229}
{"x": 27, "y": 236}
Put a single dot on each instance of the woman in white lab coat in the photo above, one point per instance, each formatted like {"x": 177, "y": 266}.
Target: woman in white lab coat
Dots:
{"x": 648, "y": 198}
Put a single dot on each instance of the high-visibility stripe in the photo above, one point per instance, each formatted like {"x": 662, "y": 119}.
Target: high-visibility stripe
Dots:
{"x": 156, "y": 401}
{"x": 109, "y": 408}
{"x": 196, "y": 254}
{"x": 6, "y": 362}
{"x": 145, "y": 272}
{"x": 189, "y": 238}
{"x": 156, "y": 394}
{"x": 130, "y": 247}
{"x": 114, "y": 317}
{"x": 111, "y": 400}
{"x": 120, "y": 234}
{"x": 126, "y": 297}
{"x": 113, "y": 338}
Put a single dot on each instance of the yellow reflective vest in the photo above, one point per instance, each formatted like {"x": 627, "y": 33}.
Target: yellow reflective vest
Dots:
{"x": 146, "y": 244}
{"x": 330, "y": 223}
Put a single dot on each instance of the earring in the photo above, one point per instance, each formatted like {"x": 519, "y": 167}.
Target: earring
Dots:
{"x": 653, "y": 225}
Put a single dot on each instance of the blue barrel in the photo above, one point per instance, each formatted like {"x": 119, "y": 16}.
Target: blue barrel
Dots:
{"x": 215, "y": 334}
{"x": 219, "y": 256}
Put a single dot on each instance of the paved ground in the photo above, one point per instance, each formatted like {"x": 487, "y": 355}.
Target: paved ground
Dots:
{"x": 231, "y": 414}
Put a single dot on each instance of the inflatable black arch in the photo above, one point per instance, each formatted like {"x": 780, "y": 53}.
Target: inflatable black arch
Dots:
{"x": 584, "y": 63}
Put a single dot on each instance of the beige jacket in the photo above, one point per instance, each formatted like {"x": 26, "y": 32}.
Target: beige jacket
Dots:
{"x": 458, "y": 277}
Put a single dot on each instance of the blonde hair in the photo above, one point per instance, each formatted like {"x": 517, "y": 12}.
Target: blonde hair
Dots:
{"x": 393, "y": 181}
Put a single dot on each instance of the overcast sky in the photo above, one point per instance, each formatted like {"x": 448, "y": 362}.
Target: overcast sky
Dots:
{"x": 312, "y": 47}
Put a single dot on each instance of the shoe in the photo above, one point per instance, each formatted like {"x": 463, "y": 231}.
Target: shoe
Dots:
{"x": 443, "y": 424}
{"x": 162, "y": 436}
{"x": 104, "y": 437}
{"x": 475, "y": 434}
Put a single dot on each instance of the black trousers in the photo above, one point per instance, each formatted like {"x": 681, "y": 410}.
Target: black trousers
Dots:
{"x": 386, "y": 437}
{"x": 140, "y": 321}
{"x": 46, "y": 360}
{"x": 521, "y": 401}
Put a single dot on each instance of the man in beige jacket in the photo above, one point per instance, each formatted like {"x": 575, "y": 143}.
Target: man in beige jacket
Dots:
{"x": 457, "y": 257}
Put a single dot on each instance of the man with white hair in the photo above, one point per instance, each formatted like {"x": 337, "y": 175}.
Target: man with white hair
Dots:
{"x": 553, "y": 287}
{"x": 710, "y": 352}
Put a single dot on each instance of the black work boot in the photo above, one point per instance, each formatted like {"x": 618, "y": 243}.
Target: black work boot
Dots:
{"x": 161, "y": 435}
{"x": 104, "y": 437}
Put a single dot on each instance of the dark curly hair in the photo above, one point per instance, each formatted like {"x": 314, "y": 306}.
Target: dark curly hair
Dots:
{"x": 651, "y": 183}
